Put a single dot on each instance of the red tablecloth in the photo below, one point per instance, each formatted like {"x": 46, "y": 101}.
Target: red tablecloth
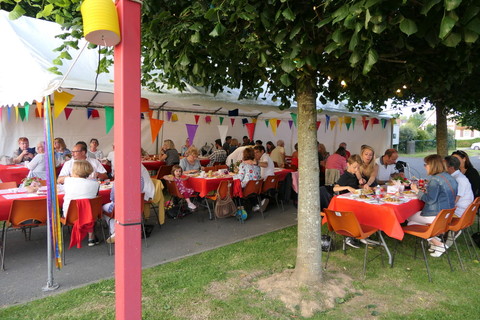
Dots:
{"x": 151, "y": 165}
{"x": 13, "y": 173}
{"x": 5, "y": 204}
{"x": 386, "y": 217}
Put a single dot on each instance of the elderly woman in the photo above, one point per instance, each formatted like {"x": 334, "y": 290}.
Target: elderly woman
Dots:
{"x": 93, "y": 151}
{"x": 469, "y": 171}
{"x": 248, "y": 169}
{"x": 62, "y": 154}
{"x": 37, "y": 165}
{"x": 190, "y": 163}
{"x": 185, "y": 148}
{"x": 369, "y": 169}
{"x": 23, "y": 153}
{"x": 440, "y": 193}
{"x": 169, "y": 154}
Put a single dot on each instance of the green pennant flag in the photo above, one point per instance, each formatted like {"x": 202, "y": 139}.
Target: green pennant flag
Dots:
{"x": 384, "y": 123}
{"x": 353, "y": 123}
{"x": 294, "y": 118}
{"x": 348, "y": 125}
{"x": 27, "y": 109}
{"x": 267, "y": 122}
{"x": 21, "y": 112}
{"x": 221, "y": 120}
{"x": 108, "y": 119}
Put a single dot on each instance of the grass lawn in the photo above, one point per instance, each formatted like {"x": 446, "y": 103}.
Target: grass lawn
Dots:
{"x": 426, "y": 153}
{"x": 221, "y": 284}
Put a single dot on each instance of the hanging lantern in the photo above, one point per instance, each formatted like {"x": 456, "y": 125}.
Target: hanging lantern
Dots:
{"x": 100, "y": 22}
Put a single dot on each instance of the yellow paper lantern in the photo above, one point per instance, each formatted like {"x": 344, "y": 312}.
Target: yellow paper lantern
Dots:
{"x": 100, "y": 22}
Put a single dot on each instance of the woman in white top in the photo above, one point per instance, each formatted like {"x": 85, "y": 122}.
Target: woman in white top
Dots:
{"x": 93, "y": 151}
{"x": 37, "y": 165}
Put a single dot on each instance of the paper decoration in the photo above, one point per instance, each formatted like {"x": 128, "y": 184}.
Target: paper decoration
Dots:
{"x": 244, "y": 121}
{"x": 267, "y": 122}
{"x": 353, "y": 123}
{"x": 196, "y": 120}
{"x": 61, "y": 101}
{"x": 144, "y": 105}
{"x": 39, "y": 109}
{"x": 232, "y": 120}
{"x": 254, "y": 120}
{"x": 340, "y": 122}
{"x": 9, "y": 111}
{"x": 1, "y": 114}
{"x": 21, "y": 112}
{"x": 67, "y": 111}
{"x": 374, "y": 121}
{"x": 93, "y": 113}
{"x": 233, "y": 113}
{"x": 250, "y": 130}
{"x": 191, "y": 131}
{"x": 332, "y": 124}
{"x": 393, "y": 121}
{"x": 327, "y": 122}
{"x": 318, "y": 124}
{"x": 169, "y": 115}
{"x": 27, "y": 110}
{"x": 222, "y": 130}
{"x": 108, "y": 119}
{"x": 155, "y": 126}
{"x": 290, "y": 122}
{"x": 174, "y": 117}
{"x": 16, "y": 114}
{"x": 273, "y": 125}
{"x": 294, "y": 118}
{"x": 208, "y": 119}
{"x": 221, "y": 120}
{"x": 384, "y": 123}
{"x": 278, "y": 123}
{"x": 365, "y": 122}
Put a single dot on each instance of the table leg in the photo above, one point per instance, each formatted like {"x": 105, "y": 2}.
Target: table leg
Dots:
{"x": 384, "y": 244}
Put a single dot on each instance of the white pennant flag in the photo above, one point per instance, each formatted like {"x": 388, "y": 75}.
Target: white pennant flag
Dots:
{"x": 223, "y": 132}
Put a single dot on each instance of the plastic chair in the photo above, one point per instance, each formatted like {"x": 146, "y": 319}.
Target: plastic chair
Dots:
{"x": 8, "y": 185}
{"x": 175, "y": 193}
{"x": 331, "y": 176}
{"x": 69, "y": 219}
{"x": 222, "y": 191}
{"x": 424, "y": 232}
{"x": 163, "y": 171}
{"x": 345, "y": 223}
{"x": 253, "y": 189}
{"x": 207, "y": 169}
{"x": 24, "y": 214}
{"x": 270, "y": 188}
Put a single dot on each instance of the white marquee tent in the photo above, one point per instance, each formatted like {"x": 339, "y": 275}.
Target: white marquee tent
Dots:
{"x": 27, "y": 54}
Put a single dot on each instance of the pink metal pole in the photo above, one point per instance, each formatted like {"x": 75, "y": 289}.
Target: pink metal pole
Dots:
{"x": 128, "y": 245}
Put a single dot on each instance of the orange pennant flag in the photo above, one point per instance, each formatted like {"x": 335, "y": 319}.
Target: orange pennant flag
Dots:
{"x": 144, "y": 105}
{"x": 61, "y": 101}
{"x": 155, "y": 126}
{"x": 39, "y": 109}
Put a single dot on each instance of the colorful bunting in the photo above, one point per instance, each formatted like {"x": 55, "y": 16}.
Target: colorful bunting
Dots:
{"x": 332, "y": 124}
{"x": 273, "y": 125}
{"x": 169, "y": 115}
{"x": 208, "y": 119}
{"x": 67, "y": 112}
{"x": 16, "y": 114}
{"x": 221, "y": 120}
{"x": 290, "y": 122}
{"x": 374, "y": 121}
{"x": 144, "y": 105}
{"x": 254, "y": 120}
{"x": 21, "y": 112}
{"x": 340, "y": 122}
{"x": 196, "y": 120}
{"x": 232, "y": 120}
{"x": 9, "y": 111}
{"x": 39, "y": 110}
{"x": 393, "y": 121}
{"x": 1, "y": 114}
{"x": 318, "y": 124}
{"x": 233, "y": 113}
{"x": 174, "y": 117}
{"x": 109, "y": 120}
{"x": 278, "y": 123}
{"x": 365, "y": 122}
{"x": 61, "y": 101}
{"x": 294, "y": 118}
{"x": 384, "y": 123}
{"x": 244, "y": 121}
{"x": 250, "y": 130}
{"x": 155, "y": 126}
{"x": 353, "y": 123}
{"x": 267, "y": 122}
{"x": 327, "y": 122}
{"x": 27, "y": 111}
{"x": 222, "y": 130}
{"x": 191, "y": 131}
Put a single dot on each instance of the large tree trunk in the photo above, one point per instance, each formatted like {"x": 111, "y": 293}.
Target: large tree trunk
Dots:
{"x": 442, "y": 131}
{"x": 308, "y": 269}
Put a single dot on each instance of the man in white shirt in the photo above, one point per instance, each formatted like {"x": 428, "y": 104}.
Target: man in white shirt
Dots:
{"x": 386, "y": 166}
{"x": 464, "y": 194}
{"x": 79, "y": 152}
{"x": 264, "y": 162}
{"x": 236, "y": 155}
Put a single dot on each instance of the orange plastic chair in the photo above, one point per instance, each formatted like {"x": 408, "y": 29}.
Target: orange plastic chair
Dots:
{"x": 222, "y": 191}
{"x": 270, "y": 188}
{"x": 8, "y": 185}
{"x": 253, "y": 189}
{"x": 175, "y": 193}
{"x": 345, "y": 223}
{"x": 163, "y": 171}
{"x": 24, "y": 214}
{"x": 438, "y": 226}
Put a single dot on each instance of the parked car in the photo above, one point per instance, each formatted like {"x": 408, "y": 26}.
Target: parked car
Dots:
{"x": 475, "y": 146}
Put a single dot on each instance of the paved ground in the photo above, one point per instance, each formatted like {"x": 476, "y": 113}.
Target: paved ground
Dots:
{"x": 26, "y": 262}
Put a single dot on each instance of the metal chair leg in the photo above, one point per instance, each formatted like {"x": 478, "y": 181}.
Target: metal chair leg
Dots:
{"x": 458, "y": 254}
{"x": 425, "y": 259}
{"x": 365, "y": 261}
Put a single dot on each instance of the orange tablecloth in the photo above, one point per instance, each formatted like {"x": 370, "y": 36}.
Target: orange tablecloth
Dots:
{"x": 5, "y": 204}
{"x": 13, "y": 173}
{"x": 386, "y": 217}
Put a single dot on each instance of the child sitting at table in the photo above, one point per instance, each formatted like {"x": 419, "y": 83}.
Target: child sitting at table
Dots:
{"x": 348, "y": 181}
{"x": 176, "y": 176}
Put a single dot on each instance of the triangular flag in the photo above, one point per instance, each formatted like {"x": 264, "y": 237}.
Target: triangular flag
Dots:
{"x": 267, "y": 122}
{"x": 150, "y": 113}
{"x": 244, "y": 121}
{"x": 393, "y": 121}
{"x": 21, "y": 112}
{"x": 174, "y": 117}
{"x": 196, "y": 121}
{"x": 254, "y": 120}
{"x": 294, "y": 118}
{"x": 208, "y": 119}
{"x": 222, "y": 130}
{"x": 221, "y": 120}
{"x": 89, "y": 113}
{"x": 233, "y": 113}
{"x": 39, "y": 110}
{"x": 191, "y": 131}
{"x": 348, "y": 125}
{"x": 95, "y": 114}
{"x": 250, "y": 130}
{"x": 384, "y": 123}
{"x": 374, "y": 121}
{"x": 61, "y": 101}
{"x": 169, "y": 115}
{"x": 27, "y": 111}
{"x": 67, "y": 111}
{"x": 108, "y": 119}
{"x": 353, "y": 123}
{"x": 16, "y": 114}
{"x": 332, "y": 124}
{"x": 327, "y": 122}
{"x": 155, "y": 126}
{"x": 318, "y": 124}
{"x": 144, "y": 105}
{"x": 290, "y": 122}
{"x": 273, "y": 124}
{"x": 9, "y": 111}
{"x": 365, "y": 122}
{"x": 232, "y": 120}
{"x": 278, "y": 123}
{"x": 1, "y": 114}
{"x": 347, "y": 119}
{"x": 340, "y": 122}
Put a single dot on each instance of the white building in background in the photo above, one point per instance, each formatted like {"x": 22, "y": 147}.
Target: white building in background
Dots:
{"x": 461, "y": 133}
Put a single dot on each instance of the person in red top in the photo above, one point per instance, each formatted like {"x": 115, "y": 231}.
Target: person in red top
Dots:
{"x": 347, "y": 153}
{"x": 295, "y": 156}
{"x": 337, "y": 160}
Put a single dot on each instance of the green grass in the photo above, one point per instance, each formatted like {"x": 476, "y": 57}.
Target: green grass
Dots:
{"x": 220, "y": 284}
{"x": 424, "y": 154}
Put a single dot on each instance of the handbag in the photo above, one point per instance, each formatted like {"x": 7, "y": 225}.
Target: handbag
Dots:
{"x": 224, "y": 207}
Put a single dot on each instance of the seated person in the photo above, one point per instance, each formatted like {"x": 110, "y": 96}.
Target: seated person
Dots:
{"x": 77, "y": 186}
{"x": 278, "y": 154}
{"x": 387, "y": 168}
{"x": 62, "y": 154}
{"x": 190, "y": 162}
{"x": 248, "y": 169}
{"x": 218, "y": 155}
{"x": 186, "y": 192}
{"x": 295, "y": 155}
{"x": 264, "y": 162}
{"x": 337, "y": 160}
{"x": 464, "y": 193}
{"x": 37, "y": 165}
{"x": 348, "y": 181}
{"x": 93, "y": 151}
{"x": 23, "y": 153}
{"x": 169, "y": 154}
{"x": 185, "y": 147}
{"x": 79, "y": 152}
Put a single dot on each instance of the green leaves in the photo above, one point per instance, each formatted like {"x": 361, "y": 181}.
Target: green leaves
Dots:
{"x": 218, "y": 30}
{"x": 288, "y": 65}
{"x": 452, "y": 4}
{"x": 408, "y": 27}
{"x": 288, "y": 14}
{"x": 446, "y": 26}
{"x": 16, "y": 13}
{"x": 428, "y": 5}
{"x": 372, "y": 58}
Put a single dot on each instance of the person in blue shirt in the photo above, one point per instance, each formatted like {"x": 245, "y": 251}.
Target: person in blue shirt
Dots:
{"x": 23, "y": 153}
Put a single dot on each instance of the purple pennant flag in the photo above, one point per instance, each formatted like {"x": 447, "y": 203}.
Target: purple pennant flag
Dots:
{"x": 191, "y": 131}
{"x": 290, "y": 122}
{"x": 169, "y": 116}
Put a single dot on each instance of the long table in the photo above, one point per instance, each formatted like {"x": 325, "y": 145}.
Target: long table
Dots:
{"x": 152, "y": 165}
{"x": 6, "y": 199}
{"x": 13, "y": 173}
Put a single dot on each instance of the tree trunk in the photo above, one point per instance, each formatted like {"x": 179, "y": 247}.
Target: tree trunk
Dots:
{"x": 308, "y": 269}
{"x": 442, "y": 130}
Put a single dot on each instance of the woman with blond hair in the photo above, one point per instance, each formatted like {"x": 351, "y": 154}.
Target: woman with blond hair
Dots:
{"x": 190, "y": 162}
{"x": 368, "y": 171}
{"x": 169, "y": 154}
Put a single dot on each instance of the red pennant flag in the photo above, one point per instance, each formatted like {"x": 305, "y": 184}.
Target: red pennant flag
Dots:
{"x": 67, "y": 111}
{"x": 250, "y": 129}
{"x": 95, "y": 114}
{"x": 39, "y": 114}
{"x": 144, "y": 105}
{"x": 318, "y": 124}
{"x": 278, "y": 122}
{"x": 196, "y": 118}
{"x": 232, "y": 120}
